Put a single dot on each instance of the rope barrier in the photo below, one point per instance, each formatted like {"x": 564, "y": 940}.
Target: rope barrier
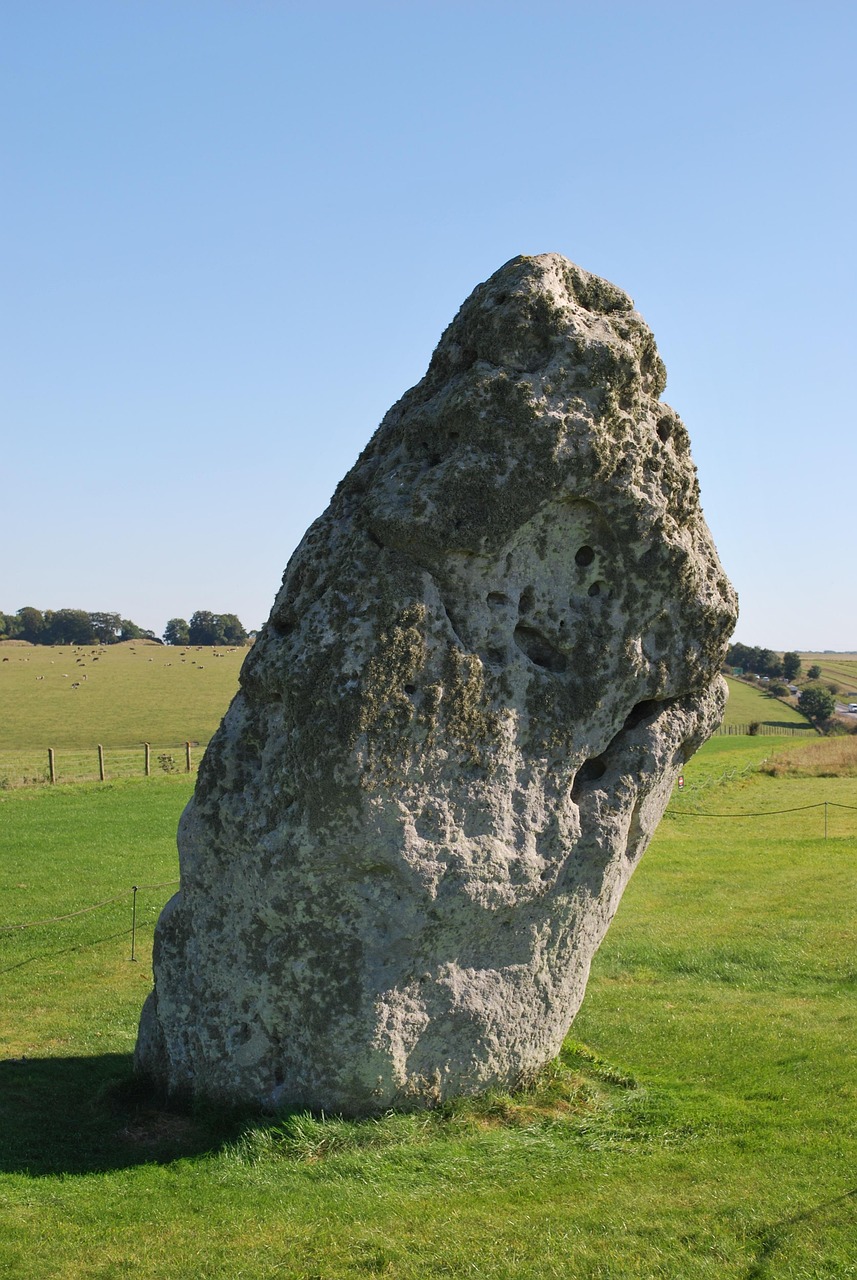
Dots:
{"x": 32, "y": 924}
{"x": 96, "y": 906}
{"x": 765, "y": 813}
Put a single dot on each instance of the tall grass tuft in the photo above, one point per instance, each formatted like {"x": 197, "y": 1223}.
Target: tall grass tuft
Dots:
{"x": 820, "y": 758}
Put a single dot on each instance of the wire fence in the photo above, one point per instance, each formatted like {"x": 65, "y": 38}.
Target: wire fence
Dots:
{"x": 756, "y": 728}
{"x": 42, "y": 766}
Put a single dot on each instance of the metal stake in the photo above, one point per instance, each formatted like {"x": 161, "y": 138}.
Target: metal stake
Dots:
{"x": 133, "y": 922}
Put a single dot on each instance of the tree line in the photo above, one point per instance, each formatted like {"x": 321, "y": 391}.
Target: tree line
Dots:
{"x": 764, "y": 662}
{"x": 79, "y": 627}
{"x": 206, "y": 628}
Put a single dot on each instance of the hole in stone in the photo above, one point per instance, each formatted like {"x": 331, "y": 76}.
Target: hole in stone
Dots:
{"x": 284, "y": 626}
{"x": 527, "y": 600}
{"x": 665, "y": 429}
{"x": 410, "y": 688}
{"x": 649, "y": 707}
{"x": 585, "y": 556}
{"x": 500, "y": 298}
{"x": 373, "y": 537}
{"x": 595, "y": 589}
{"x": 589, "y": 771}
{"x": 539, "y": 649}
{"x": 497, "y": 598}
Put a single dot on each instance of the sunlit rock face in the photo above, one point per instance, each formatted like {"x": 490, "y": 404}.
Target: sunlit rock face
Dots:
{"x": 488, "y": 661}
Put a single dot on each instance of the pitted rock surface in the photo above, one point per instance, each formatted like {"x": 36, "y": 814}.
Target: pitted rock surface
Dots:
{"x": 489, "y": 660}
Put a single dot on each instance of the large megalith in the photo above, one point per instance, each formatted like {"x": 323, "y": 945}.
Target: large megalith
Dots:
{"x": 488, "y": 661}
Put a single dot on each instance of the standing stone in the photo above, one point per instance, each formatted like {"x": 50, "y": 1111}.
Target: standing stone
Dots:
{"x": 488, "y": 662}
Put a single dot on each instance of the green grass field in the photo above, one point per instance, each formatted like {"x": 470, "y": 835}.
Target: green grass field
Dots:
{"x": 708, "y": 1130}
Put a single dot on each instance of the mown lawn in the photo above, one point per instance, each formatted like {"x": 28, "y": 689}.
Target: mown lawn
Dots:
{"x": 710, "y": 1129}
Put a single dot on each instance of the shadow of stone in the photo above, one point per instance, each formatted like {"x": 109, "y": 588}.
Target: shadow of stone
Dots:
{"x": 89, "y": 1115}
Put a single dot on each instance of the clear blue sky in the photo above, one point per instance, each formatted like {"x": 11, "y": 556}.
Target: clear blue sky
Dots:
{"x": 233, "y": 232}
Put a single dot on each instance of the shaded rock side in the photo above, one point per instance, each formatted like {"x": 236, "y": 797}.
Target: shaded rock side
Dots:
{"x": 454, "y": 737}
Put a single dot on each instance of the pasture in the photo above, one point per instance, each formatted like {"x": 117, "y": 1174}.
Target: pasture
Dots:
{"x": 701, "y": 1123}
{"x": 119, "y": 695}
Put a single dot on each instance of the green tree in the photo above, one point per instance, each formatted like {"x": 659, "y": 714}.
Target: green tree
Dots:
{"x": 814, "y": 673}
{"x": 791, "y": 665}
{"x": 105, "y": 627}
{"x": 68, "y": 626}
{"x": 817, "y": 705}
{"x": 231, "y": 630}
{"x": 203, "y": 628}
{"x": 215, "y": 628}
{"x": 177, "y": 631}
{"x": 769, "y": 664}
{"x": 129, "y": 630}
{"x": 31, "y": 624}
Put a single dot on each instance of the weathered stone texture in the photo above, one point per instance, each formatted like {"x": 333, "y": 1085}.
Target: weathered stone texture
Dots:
{"x": 488, "y": 661}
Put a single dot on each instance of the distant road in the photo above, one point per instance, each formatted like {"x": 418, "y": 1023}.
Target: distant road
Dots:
{"x": 842, "y": 710}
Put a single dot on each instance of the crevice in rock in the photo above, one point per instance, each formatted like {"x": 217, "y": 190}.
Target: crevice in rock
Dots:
{"x": 452, "y": 624}
{"x": 539, "y": 649}
{"x": 595, "y": 768}
{"x": 284, "y": 624}
{"x": 649, "y": 708}
{"x": 527, "y": 600}
{"x": 635, "y": 832}
{"x": 589, "y": 771}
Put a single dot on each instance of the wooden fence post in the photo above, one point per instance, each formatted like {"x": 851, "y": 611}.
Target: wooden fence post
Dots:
{"x": 187, "y": 757}
{"x": 147, "y": 759}
{"x": 52, "y": 764}
{"x": 100, "y": 762}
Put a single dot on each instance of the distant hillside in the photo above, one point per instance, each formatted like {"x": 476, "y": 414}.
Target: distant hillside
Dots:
{"x": 836, "y": 668}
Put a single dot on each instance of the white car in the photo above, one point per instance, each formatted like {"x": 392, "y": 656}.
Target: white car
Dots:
{"x": 852, "y": 706}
